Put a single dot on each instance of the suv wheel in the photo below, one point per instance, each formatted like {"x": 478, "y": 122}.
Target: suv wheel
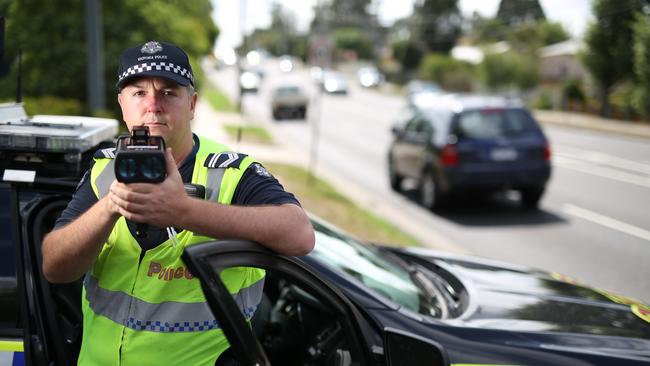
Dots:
{"x": 393, "y": 177}
{"x": 530, "y": 197}
{"x": 430, "y": 195}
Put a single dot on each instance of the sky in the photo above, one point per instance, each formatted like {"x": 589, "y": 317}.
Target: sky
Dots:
{"x": 573, "y": 14}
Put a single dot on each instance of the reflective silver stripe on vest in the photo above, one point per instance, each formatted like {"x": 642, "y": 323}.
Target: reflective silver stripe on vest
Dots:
{"x": 215, "y": 176}
{"x": 169, "y": 316}
{"x": 105, "y": 178}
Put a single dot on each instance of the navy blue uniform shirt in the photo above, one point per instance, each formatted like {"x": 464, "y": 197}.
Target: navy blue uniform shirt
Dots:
{"x": 257, "y": 187}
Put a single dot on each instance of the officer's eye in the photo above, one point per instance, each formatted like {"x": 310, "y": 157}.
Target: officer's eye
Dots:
{"x": 168, "y": 93}
{"x": 138, "y": 93}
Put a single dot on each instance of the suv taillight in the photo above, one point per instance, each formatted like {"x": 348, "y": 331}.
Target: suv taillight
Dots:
{"x": 449, "y": 155}
{"x": 547, "y": 151}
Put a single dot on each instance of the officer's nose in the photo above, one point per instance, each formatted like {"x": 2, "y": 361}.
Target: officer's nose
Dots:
{"x": 153, "y": 103}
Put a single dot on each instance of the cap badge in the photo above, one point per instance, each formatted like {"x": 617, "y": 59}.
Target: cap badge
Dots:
{"x": 151, "y": 47}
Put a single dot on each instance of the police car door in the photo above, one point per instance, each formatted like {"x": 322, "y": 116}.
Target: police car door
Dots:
{"x": 301, "y": 319}
{"x": 49, "y": 317}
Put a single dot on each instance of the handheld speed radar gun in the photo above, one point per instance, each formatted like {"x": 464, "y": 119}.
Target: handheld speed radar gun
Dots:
{"x": 140, "y": 157}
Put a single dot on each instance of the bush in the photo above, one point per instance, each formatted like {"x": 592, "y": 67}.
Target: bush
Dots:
{"x": 354, "y": 40}
{"x": 543, "y": 101}
{"x": 508, "y": 70}
{"x": 572, "y": 91}
{"x": 407, "y": 54}
{"x": 450, "y": 74}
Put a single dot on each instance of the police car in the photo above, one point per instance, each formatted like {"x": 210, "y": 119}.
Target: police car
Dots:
{"x": 346, "y": 303}
{"x": 41, "y": 160}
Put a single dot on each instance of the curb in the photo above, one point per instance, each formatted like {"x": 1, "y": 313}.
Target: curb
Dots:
{"x": 593, "y": 123}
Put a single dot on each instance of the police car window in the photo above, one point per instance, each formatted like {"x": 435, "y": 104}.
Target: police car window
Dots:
{"x": 9, "y": 299}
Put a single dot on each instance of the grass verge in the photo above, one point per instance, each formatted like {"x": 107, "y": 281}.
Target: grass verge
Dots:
{"x": 217, "y": 99}
{"x": 318, "y": 197}
{"x": 253, "y": 134}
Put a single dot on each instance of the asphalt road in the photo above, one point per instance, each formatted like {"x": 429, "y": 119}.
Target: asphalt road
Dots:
{"x": 593, "y": 223}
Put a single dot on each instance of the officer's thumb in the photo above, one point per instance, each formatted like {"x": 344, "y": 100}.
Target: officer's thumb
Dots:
{"x": 171, "y": 163}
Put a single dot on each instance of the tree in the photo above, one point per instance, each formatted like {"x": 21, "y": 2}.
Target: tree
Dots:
{"x": 438, "y": 24}
{"x": 53, "y": 44}
{"x": 353, "y": 39}
{"x": 350, "y": 13}
{"x": 280, "y": 37}
{"x": 407, "y": 54}
{"x": 641, "y": 98}
{"x": 515, "y": 12}
{"x": 608, "y": 55}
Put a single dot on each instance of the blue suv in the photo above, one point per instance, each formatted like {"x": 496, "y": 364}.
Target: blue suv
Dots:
{"x": 457, "y": 143}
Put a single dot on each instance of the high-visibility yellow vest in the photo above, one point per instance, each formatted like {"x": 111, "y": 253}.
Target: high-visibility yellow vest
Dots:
{"x": 145, "y": 307}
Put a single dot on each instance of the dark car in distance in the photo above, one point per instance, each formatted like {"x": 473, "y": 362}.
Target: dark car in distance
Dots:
{"x": 462, "y": 143}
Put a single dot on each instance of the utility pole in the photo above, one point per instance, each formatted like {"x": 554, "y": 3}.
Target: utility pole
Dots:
{"x": 241, "y": 52}
{"x": 95, "y": 49}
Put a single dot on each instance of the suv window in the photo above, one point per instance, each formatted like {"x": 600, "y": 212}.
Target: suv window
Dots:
{"x": 9, "y": 297}
{"x": 495, "y": 123}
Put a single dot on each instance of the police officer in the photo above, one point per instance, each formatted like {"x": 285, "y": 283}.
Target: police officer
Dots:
{"x": 140, "y": 303}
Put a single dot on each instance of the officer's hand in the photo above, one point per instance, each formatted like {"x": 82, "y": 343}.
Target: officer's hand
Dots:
{"x": 155, "y": 204}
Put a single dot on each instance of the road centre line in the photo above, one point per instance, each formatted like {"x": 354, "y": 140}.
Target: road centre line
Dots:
{"x": 600, "y": 171}
{"x": 606, "y": 221}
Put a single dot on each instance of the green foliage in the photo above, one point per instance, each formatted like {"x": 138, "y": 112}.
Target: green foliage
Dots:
{"x": 543, "y": 100}
{"x": 348, "y": 13}
{"x": 280, "y": 38}
{"x": 251, "y": 134}
{"x": 51, "y": 35}
{"x": 508, "y": 70}
{"x": 572, "y": 91}
{"x": 52, "y": 105}
{"x": 354, "y": 39}
{"x": 438, "y": 24}
{"x": 450, "y": 74}
{"x": 513, "y": 12}
{"x": 622, "y": 99}
{"x": 525, "y": 37}
{"x": 532, "y": 35}
{"x": 608, "y": 55}
{"x": 217, "y": 99}
{"x": 407, "y": 54}
{"x": 641, "y": 98}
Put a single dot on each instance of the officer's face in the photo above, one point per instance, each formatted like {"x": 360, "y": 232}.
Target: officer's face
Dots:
{"x": 164, "y": 106}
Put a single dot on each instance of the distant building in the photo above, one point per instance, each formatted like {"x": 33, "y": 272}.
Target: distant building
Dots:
{"x": 559, "y": 62}
{"x": 474, "y": 54}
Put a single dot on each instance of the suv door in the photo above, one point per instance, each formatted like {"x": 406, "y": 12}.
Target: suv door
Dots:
{"x": 302, "y": 320}
{"x": 417, "y": 139}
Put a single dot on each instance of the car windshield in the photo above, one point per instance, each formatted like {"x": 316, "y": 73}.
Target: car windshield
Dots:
{"x": 366, "y": 264}
{"x": 495, "y": 123}
{"x": 287, "y": 91}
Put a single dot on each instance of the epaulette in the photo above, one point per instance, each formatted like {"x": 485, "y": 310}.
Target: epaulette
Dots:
{"x": 108, "y": 153}
{"x": 225, "y": 159}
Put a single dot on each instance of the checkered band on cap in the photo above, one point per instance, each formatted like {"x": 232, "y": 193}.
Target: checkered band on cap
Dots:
{"x": 157, "y": 66}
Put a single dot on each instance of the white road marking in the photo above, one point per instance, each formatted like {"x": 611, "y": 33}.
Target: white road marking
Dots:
{"x": 606, "y": 221}
{"x": 600, "y": 158}
{"x": 601, "y": 171}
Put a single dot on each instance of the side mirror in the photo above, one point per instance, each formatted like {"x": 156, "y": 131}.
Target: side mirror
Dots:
{"x": 406, "y": 349}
